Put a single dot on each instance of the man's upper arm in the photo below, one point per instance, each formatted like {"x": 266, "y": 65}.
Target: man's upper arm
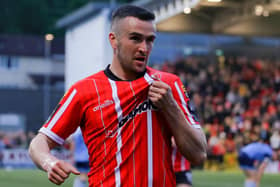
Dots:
{"x": 41, "y": 138}
{"x": 183, "y": 100}
{"x": 66, "y": 117}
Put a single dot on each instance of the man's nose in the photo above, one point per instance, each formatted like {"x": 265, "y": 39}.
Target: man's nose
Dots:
{"x": 143, "y": 47}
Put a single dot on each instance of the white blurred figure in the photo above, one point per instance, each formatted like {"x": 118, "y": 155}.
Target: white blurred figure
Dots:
{"x": 80, "y": 158}
{"x": 275, "y": 139}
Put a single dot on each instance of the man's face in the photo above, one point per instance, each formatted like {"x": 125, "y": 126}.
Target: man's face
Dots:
{"x": 134, "y": 42}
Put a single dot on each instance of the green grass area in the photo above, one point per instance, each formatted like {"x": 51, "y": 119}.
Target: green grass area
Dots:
{"x": 28, "y": 178}
{"x": 229, "y": 179}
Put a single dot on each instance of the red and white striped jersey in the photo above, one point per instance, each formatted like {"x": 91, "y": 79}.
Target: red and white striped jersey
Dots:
{"x": 179, "y": 162}
{"x": 128, "y": 141}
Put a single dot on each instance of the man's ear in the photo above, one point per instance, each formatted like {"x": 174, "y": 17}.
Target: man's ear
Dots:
{"x": 113, "y": 40}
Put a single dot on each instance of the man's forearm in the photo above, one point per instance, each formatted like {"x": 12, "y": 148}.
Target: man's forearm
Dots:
{"x": 58, "y": 170}
{"x": 39, "y": 152}
{"x": 190, "y": 141}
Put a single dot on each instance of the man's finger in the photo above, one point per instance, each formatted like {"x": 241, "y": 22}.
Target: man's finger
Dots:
{"x": 55, "y": 178}
{"x": 60, "y": 172}
{"x": 160, "y": 85}
{"x": 155, "y": 89}
{"x": 74, "y": 170}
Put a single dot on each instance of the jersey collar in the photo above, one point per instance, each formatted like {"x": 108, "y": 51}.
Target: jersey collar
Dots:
{"x": 113, "y": 77}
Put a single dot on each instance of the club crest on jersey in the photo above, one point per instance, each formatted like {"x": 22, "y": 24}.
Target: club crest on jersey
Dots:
{"x": 105, "y": 104}
{"x": 156, "y": 76}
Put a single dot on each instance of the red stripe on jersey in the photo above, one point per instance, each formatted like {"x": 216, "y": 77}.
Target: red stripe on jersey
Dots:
{"x": 179, "y": 162}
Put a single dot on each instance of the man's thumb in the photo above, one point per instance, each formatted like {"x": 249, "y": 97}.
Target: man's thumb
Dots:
{"x": 74, "y": 170}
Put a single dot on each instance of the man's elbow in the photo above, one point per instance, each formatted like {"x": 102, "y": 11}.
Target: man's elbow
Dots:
{"x": 31, "y": 148}
{"x": 199, "y": 159}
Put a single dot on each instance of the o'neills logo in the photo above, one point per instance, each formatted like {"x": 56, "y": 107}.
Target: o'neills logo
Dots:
{"x": 106, "y": 103}
{"x": 143, "y": 107}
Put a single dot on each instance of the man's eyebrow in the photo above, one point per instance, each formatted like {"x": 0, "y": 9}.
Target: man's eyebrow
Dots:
{"x": 139, "y": 34}
{"x": 135, "y": 34}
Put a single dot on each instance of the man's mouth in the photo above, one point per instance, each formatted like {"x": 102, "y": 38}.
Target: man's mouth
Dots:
{"x": 142, "y": 59}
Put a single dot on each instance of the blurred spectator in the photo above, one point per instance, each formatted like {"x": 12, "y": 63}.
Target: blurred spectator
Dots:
{"x": 235, "y": 95}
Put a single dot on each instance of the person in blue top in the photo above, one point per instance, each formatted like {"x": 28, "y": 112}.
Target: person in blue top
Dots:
{"x": 80, "y": 158}
{"x": 253, "y": 158}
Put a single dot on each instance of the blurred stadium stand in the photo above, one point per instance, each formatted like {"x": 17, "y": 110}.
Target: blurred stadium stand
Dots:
{"x": 220, "y": 50}
{"x": 23, "y": 68}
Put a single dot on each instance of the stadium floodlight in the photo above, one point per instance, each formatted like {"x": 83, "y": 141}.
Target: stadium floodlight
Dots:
{"x": 259, "y": 10}
{"x": 187, "y": 10}
{"x": 49, "y": 37}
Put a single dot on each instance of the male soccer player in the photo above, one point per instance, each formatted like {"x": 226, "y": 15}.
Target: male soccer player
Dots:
{"x": 127, "y": 114}
{"x": 253, "y": 158}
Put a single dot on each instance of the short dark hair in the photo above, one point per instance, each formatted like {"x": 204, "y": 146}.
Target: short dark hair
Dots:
{"x": 134, "y": 11}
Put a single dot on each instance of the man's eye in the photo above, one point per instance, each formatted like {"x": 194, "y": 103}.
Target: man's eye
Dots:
{"x": 135, "y": 38}
{"x": 151, "y": 39}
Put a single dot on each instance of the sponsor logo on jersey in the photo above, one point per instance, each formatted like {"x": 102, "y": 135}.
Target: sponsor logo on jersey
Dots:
{"x": 143, "y": 107}
{"x": 192, "y": 109}
{"x": 105, "y": 104}
{"x": 185, "y": 90}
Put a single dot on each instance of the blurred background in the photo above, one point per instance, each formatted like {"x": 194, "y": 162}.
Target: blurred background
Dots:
{"x": 226, "y": 52}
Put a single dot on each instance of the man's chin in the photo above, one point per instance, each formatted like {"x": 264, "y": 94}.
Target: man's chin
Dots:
{"x": 141, "y": 69}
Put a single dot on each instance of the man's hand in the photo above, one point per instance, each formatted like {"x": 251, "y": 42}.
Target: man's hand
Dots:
{"x": 160, "y": 94}
{"x": 39, "y": 151}
{"x": 58, "y": 170}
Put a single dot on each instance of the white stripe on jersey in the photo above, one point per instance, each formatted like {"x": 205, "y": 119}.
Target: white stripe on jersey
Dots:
{"x": 190, "y": 117}
{"x": 150, "y": 148}
{"x": 52, "y": 135}
{"x": 119, "y": 137}
{"x": 150, "y": 138}
{"x": 116, "y": 100}
{"x": 148, "y": 78}
{"x": 61, "y": 110}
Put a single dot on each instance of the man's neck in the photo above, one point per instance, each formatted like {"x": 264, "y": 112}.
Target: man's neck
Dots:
{"x": 122, "y": 75}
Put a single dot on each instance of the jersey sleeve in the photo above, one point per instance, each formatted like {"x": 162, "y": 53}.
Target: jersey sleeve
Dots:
{"x": 180, "y": 94}
{"x": 65, "y": 118}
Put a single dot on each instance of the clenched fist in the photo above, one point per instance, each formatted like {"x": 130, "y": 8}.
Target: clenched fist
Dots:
{"x": 161, "y": 95}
